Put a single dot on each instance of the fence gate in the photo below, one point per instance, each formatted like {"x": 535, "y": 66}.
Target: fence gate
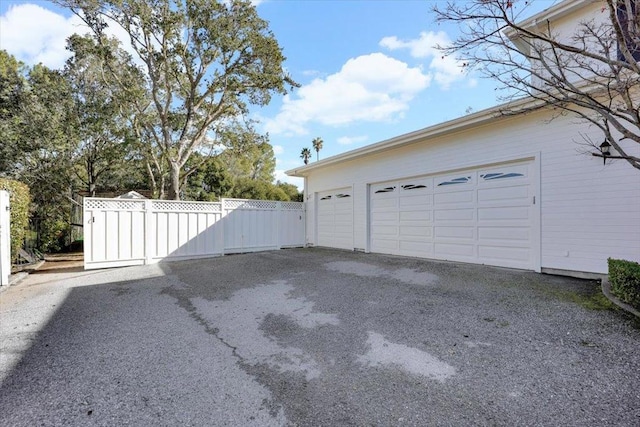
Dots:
{"x": 121, "y": 232}
{"x": 5, "y": 239}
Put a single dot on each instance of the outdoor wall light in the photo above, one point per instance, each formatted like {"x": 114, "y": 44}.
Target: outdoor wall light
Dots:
{"x": 605, "y": 149}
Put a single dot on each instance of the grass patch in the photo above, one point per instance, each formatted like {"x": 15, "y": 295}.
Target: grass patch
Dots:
{"x": 594, "y": 301}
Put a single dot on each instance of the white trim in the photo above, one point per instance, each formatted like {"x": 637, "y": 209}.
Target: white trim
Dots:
{"x": 536, "y": 243}
{"x": 368, "y": 219}
{"x": 5, "y": 238}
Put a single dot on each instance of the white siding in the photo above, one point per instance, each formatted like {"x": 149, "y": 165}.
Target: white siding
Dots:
{"x": 589, "y": 211}
{"x": 5, "y": 239}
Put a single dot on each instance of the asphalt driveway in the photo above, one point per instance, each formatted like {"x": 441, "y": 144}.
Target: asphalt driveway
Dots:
{"x": 314, "y": 337}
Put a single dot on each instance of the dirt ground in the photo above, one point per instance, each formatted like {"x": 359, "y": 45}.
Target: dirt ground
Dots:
{"x": 71, "y": 261}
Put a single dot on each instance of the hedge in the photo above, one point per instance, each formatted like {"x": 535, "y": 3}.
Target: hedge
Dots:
{"x": 19, "y": 200}
{"x": 624, "y": 277}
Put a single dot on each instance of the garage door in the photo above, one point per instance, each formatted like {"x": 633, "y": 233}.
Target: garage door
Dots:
{"x": 484, "y": 215}
{"x": 335, "y": 218}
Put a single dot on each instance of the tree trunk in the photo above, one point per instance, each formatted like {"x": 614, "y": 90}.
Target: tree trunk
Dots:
{"x": 152, "y": 180}
{"x": 174, "y": 190}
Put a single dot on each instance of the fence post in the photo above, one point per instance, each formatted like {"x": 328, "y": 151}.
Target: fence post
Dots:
{"x": 5, "y": 239}
{"x": 223, "y": 225}
{"x": 279, "y": 224}
{"x": 149, "y": 233}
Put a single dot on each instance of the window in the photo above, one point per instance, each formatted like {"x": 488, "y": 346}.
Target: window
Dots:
{"x": 461, "y": 180}
{"x": 630, "y": 24}
{"x": 413, "y": 186}
{"x": 386, "y": 190}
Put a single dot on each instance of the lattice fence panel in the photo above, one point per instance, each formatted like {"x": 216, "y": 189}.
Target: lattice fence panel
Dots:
{"x": 179, "y": 206}
{"x": 292, "y": 206}
{"x": 113, "y": 205}
{"x": 249, "y": 204}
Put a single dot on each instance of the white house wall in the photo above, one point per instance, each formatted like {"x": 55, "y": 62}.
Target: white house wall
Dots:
{"x": 588, "y": 211}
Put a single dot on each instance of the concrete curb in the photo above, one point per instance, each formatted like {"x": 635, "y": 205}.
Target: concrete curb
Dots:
{"x": 606, "y": 290}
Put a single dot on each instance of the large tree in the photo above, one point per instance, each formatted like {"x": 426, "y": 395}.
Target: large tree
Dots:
{"x": 37, "y": 134}
{"x": 591, "y": 72}
{"x": 204, "y": 61}
{"x": 13, "y": 94}
{"x": 242, "y": 163}
{"x": 102, "y": 112}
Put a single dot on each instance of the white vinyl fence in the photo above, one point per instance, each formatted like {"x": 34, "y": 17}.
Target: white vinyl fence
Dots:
{"x": 120, "y": 232}
{"x": 5, "y": 239}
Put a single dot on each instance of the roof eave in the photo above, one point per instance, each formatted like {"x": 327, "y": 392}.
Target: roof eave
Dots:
{"x": 437, "y": 130}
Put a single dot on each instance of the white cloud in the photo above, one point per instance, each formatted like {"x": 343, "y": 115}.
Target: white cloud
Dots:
{"x": 278, "y": 149}
{"x": 446, "y": 69}
{"x": 370, "y": 88}
{"x": 34, "y": 34}
{"x": 347, "y": 140}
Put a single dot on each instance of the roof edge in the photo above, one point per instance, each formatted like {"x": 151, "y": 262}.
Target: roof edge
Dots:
{"x": 436, "y": 130}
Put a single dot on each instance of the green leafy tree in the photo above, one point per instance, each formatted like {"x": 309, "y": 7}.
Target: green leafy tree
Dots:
{"x": 246, "y": 188}
{"x": 13, "y": 94}
{"x": 49, "y": 124}
{"x": 204, "y": 63}
{"x": 210, "y": 181}
{"x": 291, "y": 191}
{"x": 38, "y": 133}
{"x": 246, "y": 153}
{"x": 101, "y": 111}
{"x": 317, "y": 145}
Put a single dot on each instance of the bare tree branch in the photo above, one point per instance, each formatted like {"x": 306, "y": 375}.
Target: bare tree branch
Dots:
{"x": 591, "y": 73}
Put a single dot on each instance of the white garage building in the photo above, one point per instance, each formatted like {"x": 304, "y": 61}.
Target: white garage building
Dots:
{"x": 487, "y": 189}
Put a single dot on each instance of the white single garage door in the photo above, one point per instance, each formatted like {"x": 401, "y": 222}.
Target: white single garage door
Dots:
{"x": 483, "y": 215}
{"x": 335, "y": 218}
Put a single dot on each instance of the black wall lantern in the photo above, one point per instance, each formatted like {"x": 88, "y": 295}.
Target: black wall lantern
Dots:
{"x": 605, "y": 149}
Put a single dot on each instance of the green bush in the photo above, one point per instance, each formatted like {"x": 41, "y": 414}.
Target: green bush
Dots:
{"x": 625, "y": 280}
{"x": 19, "y": 200}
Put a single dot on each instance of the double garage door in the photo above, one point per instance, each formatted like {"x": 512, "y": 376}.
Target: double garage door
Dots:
{"x": 483, "y": 215}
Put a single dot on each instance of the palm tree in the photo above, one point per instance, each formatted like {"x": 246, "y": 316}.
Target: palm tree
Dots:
{"x": 317, "y": 145}
{"x": 305, "y": 155}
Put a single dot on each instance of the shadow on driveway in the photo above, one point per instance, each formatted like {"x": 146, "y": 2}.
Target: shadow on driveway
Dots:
{"x": 315, "y": 337}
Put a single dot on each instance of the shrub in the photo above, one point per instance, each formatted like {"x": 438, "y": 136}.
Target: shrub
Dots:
{"x": 625, "y": 280}
{"x": 19, "y": 200}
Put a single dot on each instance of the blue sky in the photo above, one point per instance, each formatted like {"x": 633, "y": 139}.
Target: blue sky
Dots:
{"x": 368, "y": 69}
